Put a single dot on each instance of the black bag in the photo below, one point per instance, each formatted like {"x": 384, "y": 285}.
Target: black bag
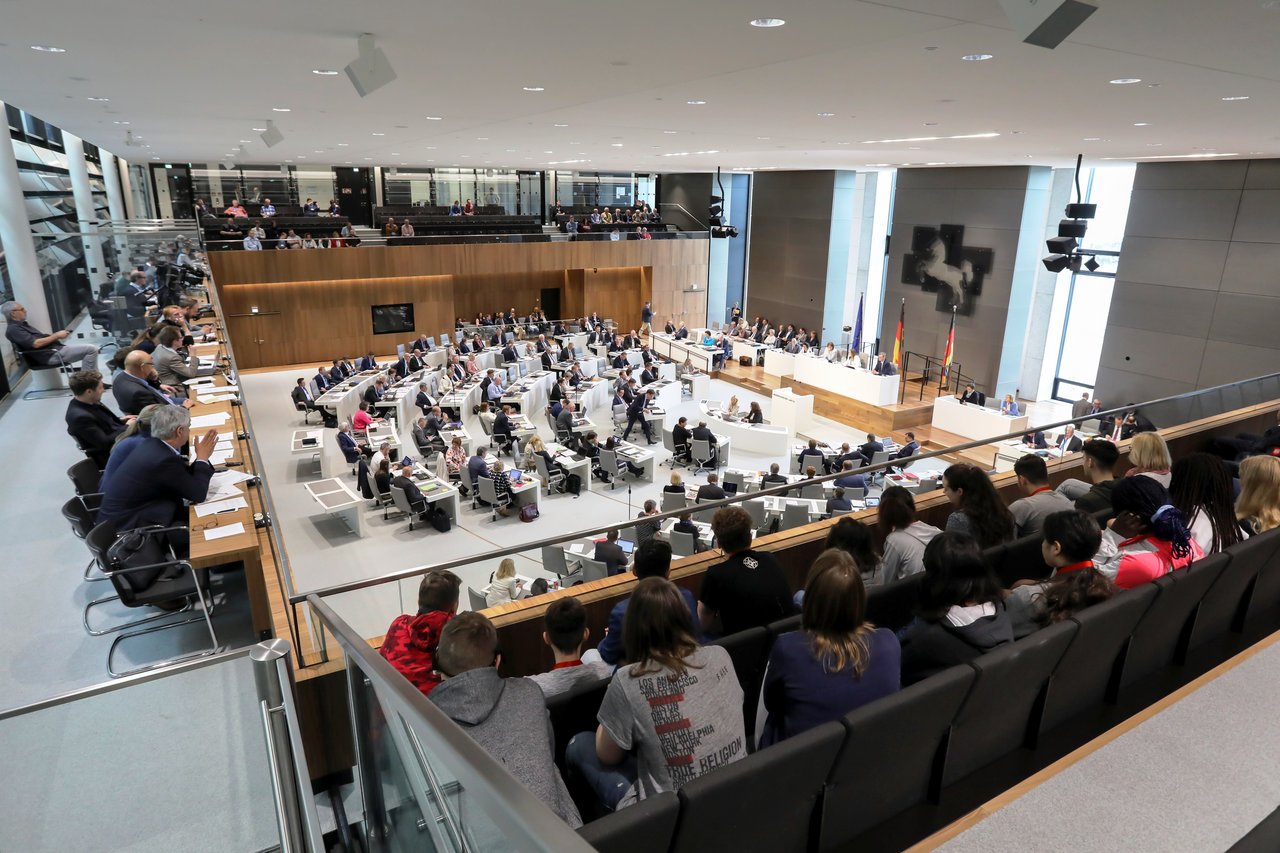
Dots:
{"x": 746, "y": 361}
{"x": 439, "y": 519}
{"x": 329, "y": 418}
{"x": 573, "y": 484}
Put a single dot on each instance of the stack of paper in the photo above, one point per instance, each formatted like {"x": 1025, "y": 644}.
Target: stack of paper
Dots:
{"x": 205, "y": 421}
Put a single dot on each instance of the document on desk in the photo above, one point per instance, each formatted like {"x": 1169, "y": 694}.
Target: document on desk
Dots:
{"x": 199, "y": 380}
{"x": 216, "y": 419}
{"x": 577, "y": 548}
{"x": 217, "y": 506}
{"x": 223, "y": 532}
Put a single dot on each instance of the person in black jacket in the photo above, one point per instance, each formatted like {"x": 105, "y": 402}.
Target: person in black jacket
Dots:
{"x": 635, "y": 414}
{"x": 89, "y": 422}
{"x": 681, "y": 438}
{"x": 960, "y": 613}
{"x": 703, "y": 433}
{"x": 611, "y": 554}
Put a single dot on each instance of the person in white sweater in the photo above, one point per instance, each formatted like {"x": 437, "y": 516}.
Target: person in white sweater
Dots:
{"x": 504, "y": 587}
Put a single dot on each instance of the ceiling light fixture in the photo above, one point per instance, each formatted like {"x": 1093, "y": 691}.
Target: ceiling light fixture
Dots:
{"x": 244, "y": 141}
{"x": 1175, "y": 156}
{"x": 767, "y": 23}
{"x": 258, "y": 129}
{"x": 1228, "y": 98}
{"x": 378, "y": 133}
{"x": 616, "y": 144}
{"x": 119, "y": 122}
{"x": 1142, "y": 124}
{"x": 48, "y": 48}
{"x": 695, "y": 103}
{"x": 343, "y": 144}
{"x": 324, "y": 72}
{"x": 534, "y": 89}
{"x": 92, "y": 98}
{"x": 434, "y": 118}
{"x": 1125, "y": 81}
{"x": 826, "y": 115}
{"x": 559, "y": 125}
{"x": 977, "y": 57}
{"x": 281, "y": 110}
{"x": 930, "y": 138}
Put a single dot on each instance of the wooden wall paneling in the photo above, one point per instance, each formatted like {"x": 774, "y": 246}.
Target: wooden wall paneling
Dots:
{"x": 615, "y": 292}
{"x": 475, "y": 294}
{"x": 573, "y": 299}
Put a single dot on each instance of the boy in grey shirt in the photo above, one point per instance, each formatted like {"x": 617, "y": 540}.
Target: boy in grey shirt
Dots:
{"x": 566, "y": 632}
{"x": 1041, "y": 501}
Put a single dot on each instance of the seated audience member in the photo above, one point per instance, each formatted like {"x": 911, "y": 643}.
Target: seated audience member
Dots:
{"x": 836, "y": 662}
{"x": 1099, "y": 462}
{"x": 848, "y": 479}
{"x": 151, "y": 485}
{"x": 960, "y": 614}
{"x": 403, "y": 480}
{"x": 93, "y": 426}
{"x": 411, "y": 641}
{"x": 138, "y": 429}
{"x": 684, "y": 524}
{"x": 681, "y": 438}
{"x": 505, "y": 586}
{"x": 506, "y": 716}
{"x": 351, "y": 450}
{"x": 1010, "y": 407}
{"x": 868, "y": 450}
{"x": 646, "y": 527}
{"x": 1258, "y": 506}
{"x": 383, "y": 454}
{"x": 1149, "y": 456}
{"x": 838, "y": 503}
{"x": 884, "y": 367}
{"x": 905, "y": 536}
{"x": 1201, "y": 488}
{"x": 755, "y": 415}
{"x": 455, "y": 458}
{"x": 1071, "y": 539}
{"x": 653, "y": 559}
{"x": 301, "y": 394}
{"x": 711, "y": 491}
{"x": 1149, "y": 533}
{"x": 811, "y": 453}
{"x": 1036, "y": 440}
{"x": 1241, "y": 445}
{"x": 609, "y": 552}
{"x": 133, "y": 388}
{"x": 853, "y": 538}
{"x": 979, "y": 511}
{"x": 1041, "y": 500}
{"x": 565, "y": 632}
{"x": 361, "y": 420}
{"x": 670, "y": 677}
{"x": 676, "y": 486}
{"x": 773, "y": 478}
{"x": 703, "y": 433}
{"x": 747, "y": 589}
{"x": 422, "y": 438}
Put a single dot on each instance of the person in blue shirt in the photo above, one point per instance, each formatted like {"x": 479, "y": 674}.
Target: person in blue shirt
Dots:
{"x": 268, "y": 209}
{"x": 1009, "y": 406}
{"x": 652, "y": 559}
{"x": 836, "y": 662}
{"x": 455, "y": 209}
{"x": 707, "y": 340}
{"x": 851, "y": 481}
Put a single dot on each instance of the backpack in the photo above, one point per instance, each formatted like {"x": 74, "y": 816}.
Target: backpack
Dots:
{"x": 529, "y": 512}
{"x": 439, "y": 519}
{"x": 573, "y": 484}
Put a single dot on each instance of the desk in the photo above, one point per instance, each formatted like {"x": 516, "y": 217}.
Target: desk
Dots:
{"x": 344, "y": 398}
{"x": 1009, "y": 452}
{"x": 574, "y": 463}
{"x": 705, "y": 536}
{"x": 678, "y": 351}
{"x": 314, "y": 448}
{"x": 779, "y": 362}
{"x": 827, "y": 452}
{"x": 666, "y": 393}
{"x": 972, "y": 421}
{"x": 699, "y": 385}
{"x": 437, "y": 490}
{"x": 765, "y": 439}
{"x": 640, "y": 456}
{"x": 723, "y": 441}
{"x": 747, "y": 348}
{"x": 336, "y": 498}
{"x": 861, "y": 385}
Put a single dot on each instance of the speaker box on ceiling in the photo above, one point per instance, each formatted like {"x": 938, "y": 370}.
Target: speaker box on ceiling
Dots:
{"x": 1072, "y": 228}
{"x": 1046, "y": 23}
{"x": 272, "y": 136}
{"x": 1081, "y": 211}
{"x": 1061, "y": 245}
{"x": 371, "y": 70}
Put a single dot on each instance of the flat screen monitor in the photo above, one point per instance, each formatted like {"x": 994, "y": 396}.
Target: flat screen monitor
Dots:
{"x": 392, "y": 319}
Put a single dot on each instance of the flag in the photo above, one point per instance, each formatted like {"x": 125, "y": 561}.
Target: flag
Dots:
{"x": 950, "y": 350}
{"x": 857, "y": 327}
{"x": 899, "y": 341}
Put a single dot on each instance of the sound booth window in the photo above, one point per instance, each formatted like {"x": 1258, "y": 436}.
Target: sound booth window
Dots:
{"x": 392, "y": 319}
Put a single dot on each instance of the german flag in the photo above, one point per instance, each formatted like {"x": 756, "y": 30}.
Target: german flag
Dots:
{"x": 899, "y": 341}
{"x": 950, "y": 350}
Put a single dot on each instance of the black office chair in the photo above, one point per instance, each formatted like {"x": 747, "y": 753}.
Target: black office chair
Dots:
{"x": 306, "y": 411}
{"x": 58, "y": 364}
{"x": 85, "y": 476}
{"x": 81, "y": 512}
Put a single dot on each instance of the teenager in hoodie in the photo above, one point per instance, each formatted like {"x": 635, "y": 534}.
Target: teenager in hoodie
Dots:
{"x": 905, "y": 537}
{"x": 500, "y": 714}
{"x": 411, "y": 641}
{"x": 960, "y": 614}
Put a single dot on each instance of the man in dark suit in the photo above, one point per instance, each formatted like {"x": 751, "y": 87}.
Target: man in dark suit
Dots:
{"x": 337, "y": 373}
{"x": 422, "y": 344}
{"x": 502, "y": 428}
{"x": 322, "y": 379}
{"x": 152, "y": 483}
{"x": 835, "y": 463}
{"x": 970, "y": 395}
{"x": 509, "y": 355}
{"x": 91, "y": 424}
{"x": 424, "y": 400}
{"x": 564, "y": 420}
{"x": 1069, "y": 442}
{"x": 883, "y": 367}
{"x": 464, "y": 346}
{"x": 404, "y": 481}
{"x": 609, "y": 552}
{"x": 711, "y": 491}
{"x": 813, "y": 455}
{"x": 401, "y": 367}
{"x": 773, "y": 478}
{"x": 681, "y": 437}
{"x": 133, "y": 388}
{"x": 647, "y": 377}
{"x": 547, "y": 360}
{"x": 681, "y": 333}
{"x": 702, "y": 433}
{"x": 477, "y": 466}
{"x": 415, "y": 362}
{"x": 369, "y": 362}
{"x": 635, "y": 414}
{"x": 911, "y": 448}
{"x": 870, "y": 449}
{"x": 374, "y": 392}
{"x": 302, "y": 394}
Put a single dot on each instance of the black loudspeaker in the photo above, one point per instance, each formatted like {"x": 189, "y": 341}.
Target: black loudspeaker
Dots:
{"x": 1074, "y": 228}
{"x": 1061, "y": 245}
{"x": 1046, "y": 23}
{"x": 1081, "y": 211}
{"x": 1056, "y": 263}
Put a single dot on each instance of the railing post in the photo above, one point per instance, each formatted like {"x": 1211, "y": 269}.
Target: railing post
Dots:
{"x": 267, "y": 680}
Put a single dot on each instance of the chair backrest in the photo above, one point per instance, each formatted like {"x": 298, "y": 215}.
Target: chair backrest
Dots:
{"x": 400, "y": 500}
{"x": 701, "y": 449}
{"x": 892, "y": 756}
{"x": 1021, "y": 558}
{"x": 881, "y": 456}
{"x": 573, "y": 712}
{"x": 609, "y": 462}
{"x": 756, "y": 509}
{"x": 1260, "y": 551}
{"x": 730, "y": 808}
{"x": 79, "y": 516}
{"x": 478, "y": 601}
{"x": 85, "y": 476}
{"x": 673, "y": 500}
{"x": 1165, "y": 629}
{"x": 1002, "y": 710}
{"x": 794, "y": 515}
{"x": 783, "y": 626}
{"x": 682, "y": 544}
{"x": 1089, "y": 672}
{"x": 553, "y": 560}
{"x": 749, "y": 651}
{"x": 619, "y": 414}
{"x": 669, "y": 442}
{"x": 594, "y": 570}
{"x": 645, "y": 827}
{"x": 893, "y": 604}
{"x": 811, "y": 491}
{"x": 487, "y": 491}
{"x": 734, "y": 478}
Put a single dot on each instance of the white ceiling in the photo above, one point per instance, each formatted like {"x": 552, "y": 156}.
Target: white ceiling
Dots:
{"x": 193, "y": 78}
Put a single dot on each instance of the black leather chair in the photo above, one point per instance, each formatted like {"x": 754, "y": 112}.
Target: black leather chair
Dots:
{"x": 85, "y": 477}
{"x": 575, "y": 712}
{"x": 1264, "y": 552}
{"x": 34, "y": 366}
{"x": 81, "y": 513}
{"x": 750, "y": 653}
{"x": 893, "y": 605}
{"x": 1224, "y": 605}
{"x": 782, "y": 626}
{"x": 892, "y": 757}
{"x": 765, "y": 801}
{"x": 1161, "y": 637}
{"x": 1089, "y": 672}
{"x": 1002, "y": 711}
{"x": 646, "y": 827}
{"x": 1021, "y": 558}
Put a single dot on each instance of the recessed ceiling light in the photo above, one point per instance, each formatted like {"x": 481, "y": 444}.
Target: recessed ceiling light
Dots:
{"x": 302, "y": 156}
{"x": 695, "y": 103}
{"x": 378, "y": 133}
{"x": 548, "y": 152}
{"x": 763, "y": 138}
{"x": 1228, "y": 98}
{"x": 1093, "y": 139}
{"x": 977, "y": 57}
{"x": 343, "y": 144}
{"x": 259, "y": 129}
{"x": 534, "y": 89}
{"x": 281, "y": 110}
{"x": 669, "y": 132}
{"x": 1155, "y": 144}
{"x": 825, "y": 115}
{"x": 48, "y": 48}
{"x": 395, "y": 153}
{"x": 155, "y": 158}
{"x": 324, "y": 72}
{"x": 347, "y": 162}
{"x": 482, "y": 139}
{"x": 368, "y": 158}
{"x": 243, "y": 141}
{"x": 560, "y": 125}
{"x": 930, "y": 124}
{"x": 434, "y": 118}
{"x": 92, "y": 98}
{"x": 1142, "y": 124}
{"x": 1125, "y": 81}
{"x": 842, "y": 143}
{"x": 616, "y": 144}
{"x": 767, "y": 23}
{"x": 431, "y": 148}
{"x": 930, "y": 138}
{"x": 119, "y": 122}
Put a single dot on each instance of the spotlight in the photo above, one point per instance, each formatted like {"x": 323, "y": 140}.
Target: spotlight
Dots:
{"x": 723, "y": 231}
{"x": 1056, "y": 263}
{"x": 1061, "y": 245}
{"x": 1092, "y": 265}
{"x": 271, "y": 136}
{"x": 1072, "y": 228}
{"x": 371, "y": 70}
{"x": 1081, "y": 211}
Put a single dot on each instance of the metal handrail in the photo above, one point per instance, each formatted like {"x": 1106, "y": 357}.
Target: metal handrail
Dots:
{"x": 524, "y": 820}
{"x": 404, "y": 574}
{"x": 683, "y": 210}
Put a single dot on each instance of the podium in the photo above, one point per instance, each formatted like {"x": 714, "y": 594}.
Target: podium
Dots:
{"x": 792, "y": 410}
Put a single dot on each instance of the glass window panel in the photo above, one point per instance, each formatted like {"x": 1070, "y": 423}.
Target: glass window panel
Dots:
{"x": 1086, "y": 323}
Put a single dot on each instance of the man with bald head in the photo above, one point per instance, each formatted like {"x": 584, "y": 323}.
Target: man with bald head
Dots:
{"x": 133, "y": 388}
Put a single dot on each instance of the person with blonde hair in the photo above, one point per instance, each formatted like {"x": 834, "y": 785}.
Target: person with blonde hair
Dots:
{"x": 505, "y": 586}
{"x": 676, "y": 486}
{"x": 1258, "y": 507}
{"x": 1149, "y": 456}
{"x": 836, "y": 662}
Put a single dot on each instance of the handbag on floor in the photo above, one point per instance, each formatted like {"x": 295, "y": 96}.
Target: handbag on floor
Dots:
{"x": 528, "y": 512}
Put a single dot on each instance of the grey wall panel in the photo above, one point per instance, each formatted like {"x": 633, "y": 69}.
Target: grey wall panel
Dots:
{"x": 1252, "y": 268}
{"x": 1157, "y": 309}
{"x": 1246, "y": 319}
{"x": 1159, "y": 354}
{"x": 790, "y": 241}
{"x": 1210, "y": 175}
{"x": 1228, "y": 362}
{"x": 966, "y": 178}
{"x": 1118, "y": 387}
{"x": 1184, "y": 214}
{"x": 1263, "y": 175}
{"x": 919, "y": 207}
{"x": 1178, "y": 263}
{"x": 1258, "y": 220}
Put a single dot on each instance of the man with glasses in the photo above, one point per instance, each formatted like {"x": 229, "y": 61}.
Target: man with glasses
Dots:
{"x": 138, "y": 385}
{"x": 41, "y": 349}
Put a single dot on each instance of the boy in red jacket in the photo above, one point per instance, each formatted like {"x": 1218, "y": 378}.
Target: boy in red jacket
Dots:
{"x": 410, "y": 644}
